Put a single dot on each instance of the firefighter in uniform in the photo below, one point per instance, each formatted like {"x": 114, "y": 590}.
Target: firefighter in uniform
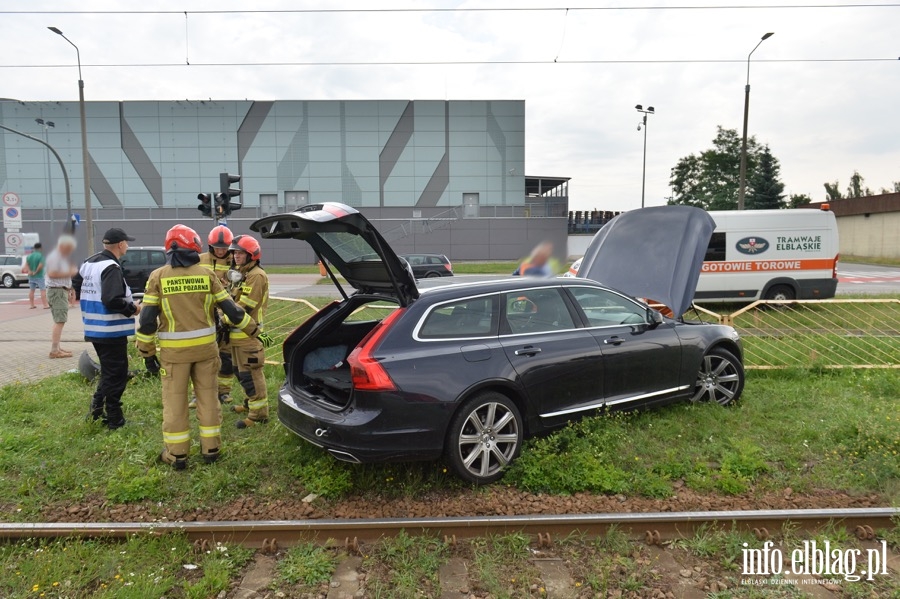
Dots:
{"x": 218, "y": 259}
{"x": 249, "y": 286}
{"x": 179, "y": 308}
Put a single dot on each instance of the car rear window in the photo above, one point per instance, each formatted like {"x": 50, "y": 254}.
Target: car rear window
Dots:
{"x": 473, "y": 317}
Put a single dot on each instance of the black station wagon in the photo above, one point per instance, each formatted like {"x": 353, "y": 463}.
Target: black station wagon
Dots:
{"x": 467, "y": 371}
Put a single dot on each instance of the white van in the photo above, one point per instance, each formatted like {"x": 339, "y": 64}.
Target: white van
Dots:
{"x": 770, "y": 254}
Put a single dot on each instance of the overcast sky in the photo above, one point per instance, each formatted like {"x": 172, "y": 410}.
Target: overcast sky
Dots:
{"x": 821, "y": 119}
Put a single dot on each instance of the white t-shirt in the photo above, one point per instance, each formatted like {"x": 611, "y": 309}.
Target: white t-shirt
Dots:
{"x": 57, "y": 263}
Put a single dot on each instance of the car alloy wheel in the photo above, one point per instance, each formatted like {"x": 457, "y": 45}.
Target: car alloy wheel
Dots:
{"x": 9, "y": 281}
{"x": 485, "y": 436}
{"x": 721, "y": 378}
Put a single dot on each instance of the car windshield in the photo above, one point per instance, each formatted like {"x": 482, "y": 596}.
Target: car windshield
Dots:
{"x": 350, "y": 247}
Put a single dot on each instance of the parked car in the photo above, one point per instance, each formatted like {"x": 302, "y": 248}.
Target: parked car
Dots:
{"x": 467, "y": 371}
{"x": 11, "y": 274}
{"x": 137, "y": 264}
{"x": 429, "y": 265}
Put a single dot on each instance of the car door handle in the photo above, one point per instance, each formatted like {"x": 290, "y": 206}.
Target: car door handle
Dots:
{"x": 528, "y": 351}
{"x": 613, "y": 340}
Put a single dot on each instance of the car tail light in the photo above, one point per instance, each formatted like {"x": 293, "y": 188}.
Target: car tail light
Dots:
{"x": 448, "y": 265}
{"x": 834, "y": 270}
{"x": 366, "y": 372}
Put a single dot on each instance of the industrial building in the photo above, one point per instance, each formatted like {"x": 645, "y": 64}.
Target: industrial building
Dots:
{"x": 435, "y": 176}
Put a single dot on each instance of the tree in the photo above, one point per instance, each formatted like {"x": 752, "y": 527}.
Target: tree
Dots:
{"x": 833, "y": 191}
{"x": 896, "y": 188}
{"x": 765, "y": 190}
{"x": 711, "y": 179}
{"x": 799, "y": 199}
{"x": 857, "y": 189}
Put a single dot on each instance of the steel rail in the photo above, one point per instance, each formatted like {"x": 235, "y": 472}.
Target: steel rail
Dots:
{"x": 658, "y": 525}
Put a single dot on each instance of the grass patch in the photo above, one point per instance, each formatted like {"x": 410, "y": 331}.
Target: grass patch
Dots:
{"x": 834, "y": 430}
{"x": 306, "y": 564}
{"x": 501, "y": 567}
{"x": 870, "y": 260}
{"x": 139, "y": 567}
{"x": 405, "y": 566}
{"x": 485, "y": 268}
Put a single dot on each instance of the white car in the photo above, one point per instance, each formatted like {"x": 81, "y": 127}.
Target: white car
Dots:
{"x": 11, "y": 274}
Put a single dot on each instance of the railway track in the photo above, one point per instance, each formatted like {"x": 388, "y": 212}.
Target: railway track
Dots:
{"x": 652, "y": 527}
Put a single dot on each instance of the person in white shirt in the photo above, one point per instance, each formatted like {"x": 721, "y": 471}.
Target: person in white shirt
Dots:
{"x": 60, "y": 269}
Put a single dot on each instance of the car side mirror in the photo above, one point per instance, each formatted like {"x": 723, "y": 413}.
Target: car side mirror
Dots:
{"x": 654, "y": 318}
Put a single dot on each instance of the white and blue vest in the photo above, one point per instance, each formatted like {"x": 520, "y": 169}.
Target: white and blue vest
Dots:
{"x": 99, "y": 321}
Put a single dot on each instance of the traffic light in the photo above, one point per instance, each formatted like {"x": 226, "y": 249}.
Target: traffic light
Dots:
{"x": 222, "y": 205}
{"x": 225, "y": 190}
{"x": 205, "y": 206}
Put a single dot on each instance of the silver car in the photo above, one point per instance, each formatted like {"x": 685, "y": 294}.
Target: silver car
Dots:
{"x": 11, "y": 274}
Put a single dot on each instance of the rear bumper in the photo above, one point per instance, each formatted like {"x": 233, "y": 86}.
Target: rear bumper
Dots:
{"x": 392, "y": 430}
{"x": 816, "y": 288}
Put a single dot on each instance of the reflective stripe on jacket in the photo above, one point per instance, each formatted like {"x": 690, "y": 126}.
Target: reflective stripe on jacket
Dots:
{"x": 99, "y": 321}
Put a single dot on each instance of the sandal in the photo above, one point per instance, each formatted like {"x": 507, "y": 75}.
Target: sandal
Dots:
{"x": 60, "y": 354}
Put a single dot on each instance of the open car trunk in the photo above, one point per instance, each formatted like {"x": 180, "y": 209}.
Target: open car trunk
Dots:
{"x": 316, "y": 362}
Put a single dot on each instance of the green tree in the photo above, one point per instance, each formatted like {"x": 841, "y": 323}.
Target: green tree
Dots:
{"x": 894, "y": 189}
{"x": 799, "y": 199}
{"x": 711, "y": 179}
{"x": 765, "y": 190}
{"x": 857, "y": 188}
{"x": 833, "y": 191}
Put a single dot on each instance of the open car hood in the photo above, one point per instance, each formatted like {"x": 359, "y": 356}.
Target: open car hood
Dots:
{"x": 653, "y": 253}
{"x": 350, "y": 243}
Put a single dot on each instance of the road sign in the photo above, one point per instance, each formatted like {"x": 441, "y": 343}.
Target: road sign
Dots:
{"x": 12, "y": 217}
{"x": 14, "y": 242}
{"x": 11, "y": 199}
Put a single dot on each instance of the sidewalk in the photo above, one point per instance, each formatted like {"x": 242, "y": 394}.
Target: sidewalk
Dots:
{"x": 25, "y": 343}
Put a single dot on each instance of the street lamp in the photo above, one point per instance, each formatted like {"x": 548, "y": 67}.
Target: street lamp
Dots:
{"x": 85, "y": 157}
{"x": 46, "y": 125}
{"x": 743, "y": 188}
{"x": 643, "y": 122}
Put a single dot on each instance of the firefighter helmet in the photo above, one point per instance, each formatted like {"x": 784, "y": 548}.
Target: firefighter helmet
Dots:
{"x": 182, "y": 237}
{"x": 245, "y": 243}
{"x": 220, "y": 237}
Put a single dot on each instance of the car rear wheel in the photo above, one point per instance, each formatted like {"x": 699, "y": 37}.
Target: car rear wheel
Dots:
{"x": 9, "y": 281}
{"x": 432, "y": 275}
{"x": 485, "y": 436}
{"x": 720, "y": 379}
{"x": 781, "y": 292}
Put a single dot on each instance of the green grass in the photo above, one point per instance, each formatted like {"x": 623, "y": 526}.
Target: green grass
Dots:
{"x": 307, "y": 564}
{"x": 803, "y": 429}
{"x": 501, "y": 567}
{"x": 139, "y": 567}
{"x": 405, "y": 566}
{"x": 870, "y": 260}
{"x": 794, "y": 428}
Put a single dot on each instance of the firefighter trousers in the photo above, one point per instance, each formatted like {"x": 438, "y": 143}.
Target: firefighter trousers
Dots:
{"x": 226, "y": 370}
{"x": 176, "y": 426}
{"x": 249, "y": 358}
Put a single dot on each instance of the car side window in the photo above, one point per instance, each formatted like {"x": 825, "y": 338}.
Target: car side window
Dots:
{"x": 604, "y": 308}
{"x": 434, "y": 260}
{"x": 157, "y": 259}
{"x": 474, "y": 317}
{"x": 537, "y": 311}
{"x": 134, "y": 259}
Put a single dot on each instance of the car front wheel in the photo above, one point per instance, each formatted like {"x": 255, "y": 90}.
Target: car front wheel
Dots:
{"x": 485, "y": 436}
{"x": 720, "y": 379}
{"x": 9, "y": 281}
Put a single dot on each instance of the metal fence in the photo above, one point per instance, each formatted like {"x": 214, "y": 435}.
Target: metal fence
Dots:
{"x": 835, "y": 333}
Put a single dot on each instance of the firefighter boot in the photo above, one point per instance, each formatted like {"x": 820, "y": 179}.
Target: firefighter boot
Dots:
{"x": 178, "y": 462}
{"x": 240, "y": 409}
{"x": 212, "y": 456}
{"x": 96, "y": 410}
{"x": 248, "y": 422}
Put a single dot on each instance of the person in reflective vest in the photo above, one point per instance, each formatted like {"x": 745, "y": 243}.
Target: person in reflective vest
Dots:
{"x": 217, "y": 258}
{"x": 249, "y": 286}
{"x": 107, "y": 312}
{"x": 180, "y": 311}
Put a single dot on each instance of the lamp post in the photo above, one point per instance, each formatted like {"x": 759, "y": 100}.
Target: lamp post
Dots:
{"x": 743, "y": 188}
{"x": 643, "y": 122}
{"x": 46, "y": 125}
{"x": 85, "y": 157}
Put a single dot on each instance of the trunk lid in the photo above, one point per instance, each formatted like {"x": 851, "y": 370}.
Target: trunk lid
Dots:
{"x": 349, "y": 242}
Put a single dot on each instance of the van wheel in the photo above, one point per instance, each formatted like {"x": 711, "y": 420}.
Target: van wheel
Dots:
{"x": 781, "y": 292}
{"x": 720, "y": 379}
{"x": 9, "y": 281}
{"x": 485, "y": 436}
